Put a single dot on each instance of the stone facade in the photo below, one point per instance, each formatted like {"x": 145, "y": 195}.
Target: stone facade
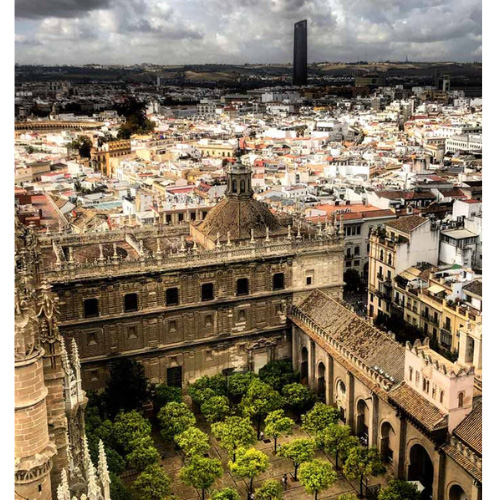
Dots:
{"x": 50, "y": 442}
{"x": 185, "y": 328}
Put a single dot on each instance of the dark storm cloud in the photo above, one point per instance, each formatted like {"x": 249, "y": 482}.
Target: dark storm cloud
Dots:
{"x": 38, "y": 9}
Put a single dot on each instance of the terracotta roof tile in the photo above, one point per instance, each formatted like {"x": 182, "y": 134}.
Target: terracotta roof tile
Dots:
{"x": 475, "y": 470}
{"x": 359, "y": 337}
{"x": 418, "y": 407}
{"x": 407, "y": 224}
{"x": 470, "y": 429}
{"x": 475, "y": 287}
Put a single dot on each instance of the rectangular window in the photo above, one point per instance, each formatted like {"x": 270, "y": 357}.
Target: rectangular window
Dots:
{"x": 181, "y": 217}
{"x": 242, "y": 286}
{"x": 411, "y": 373}
{"x": 193, "y": 215}
{"x": 174, "y": 376}
{"x": 309, "y": 280}
{"x": 207, "y": 291}
{"x": 417, "y": 378}
{"x": 91, "y": 338}
{"x": 356, "y": 250}
{"x": 208, "y": 321}
{"x": 90, "y": 308}
{"x": 130, "y": 302}
{"x": 172, "y": 297}
{"x": 278, "y": 281}
{"x": 94, "y": 376}
{"x": 242, "y": 315}
{"x": 172, "y": 326}
{"x": 358, "y": 230}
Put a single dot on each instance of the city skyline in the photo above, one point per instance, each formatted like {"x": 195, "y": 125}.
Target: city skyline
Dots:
{"x": 158, "y": 32}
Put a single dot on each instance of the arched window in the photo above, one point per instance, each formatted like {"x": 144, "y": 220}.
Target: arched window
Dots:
{"x": 460, "y": 399}
{"x": 242, "y": 186}
{"x": 381, "y": 255}
{"x": 234, "y": 186}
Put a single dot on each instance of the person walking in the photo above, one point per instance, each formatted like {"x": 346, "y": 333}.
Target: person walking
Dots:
{"x": 284, "y": 481}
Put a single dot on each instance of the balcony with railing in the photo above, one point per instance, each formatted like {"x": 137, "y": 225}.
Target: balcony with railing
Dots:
{"x": 433, "y": 300}
{"x": 445, "y": 338}
{"x": 434, "y": 320}
{"x": 465, "y": 312}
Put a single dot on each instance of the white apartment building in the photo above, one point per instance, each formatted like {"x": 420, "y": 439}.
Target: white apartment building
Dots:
{"x": 466, "y": 142}
{"x": 399, "y": 245}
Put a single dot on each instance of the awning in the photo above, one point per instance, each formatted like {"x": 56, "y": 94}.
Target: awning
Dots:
{"x": 407, "y": 275}
{"x": 435, "y": 289}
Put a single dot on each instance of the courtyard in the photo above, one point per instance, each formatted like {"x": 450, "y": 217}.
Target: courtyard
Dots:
{"x": 172, "y": 461}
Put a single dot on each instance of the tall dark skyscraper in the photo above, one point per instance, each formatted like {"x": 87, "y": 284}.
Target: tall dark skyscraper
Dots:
{"x": 300, "y": 53}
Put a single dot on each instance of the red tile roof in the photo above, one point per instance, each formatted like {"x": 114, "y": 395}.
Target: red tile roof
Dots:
{"x": 407, "y": 224}
{"x": 470, "y": 429}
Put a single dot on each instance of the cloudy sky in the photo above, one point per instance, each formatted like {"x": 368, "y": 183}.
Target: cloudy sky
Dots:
{"x": 240, "y": 31}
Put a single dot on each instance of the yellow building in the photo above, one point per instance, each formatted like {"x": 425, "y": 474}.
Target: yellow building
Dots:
{"x": 217, "y": 149}
{"x": 106, "y": 157}
{"x": 440, "y": 303}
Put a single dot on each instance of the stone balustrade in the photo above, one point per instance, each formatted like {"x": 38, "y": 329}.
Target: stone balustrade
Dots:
{"x": 189, "y": 257}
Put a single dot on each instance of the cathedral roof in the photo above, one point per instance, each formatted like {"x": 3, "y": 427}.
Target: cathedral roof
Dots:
{"x": 470, "y": 429}
{"x": 239, "y": 216}
{"x": 374, "y": 347}
{"x": 419, "y": 408}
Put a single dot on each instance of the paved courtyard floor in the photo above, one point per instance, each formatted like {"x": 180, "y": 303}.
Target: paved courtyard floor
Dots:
{"x": 173, "y": 461}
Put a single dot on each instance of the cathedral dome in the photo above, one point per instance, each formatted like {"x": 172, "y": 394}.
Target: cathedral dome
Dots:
{"x": 237, "y": 214}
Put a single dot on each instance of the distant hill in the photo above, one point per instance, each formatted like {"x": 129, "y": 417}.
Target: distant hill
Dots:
{"x": 225, "y": 73}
